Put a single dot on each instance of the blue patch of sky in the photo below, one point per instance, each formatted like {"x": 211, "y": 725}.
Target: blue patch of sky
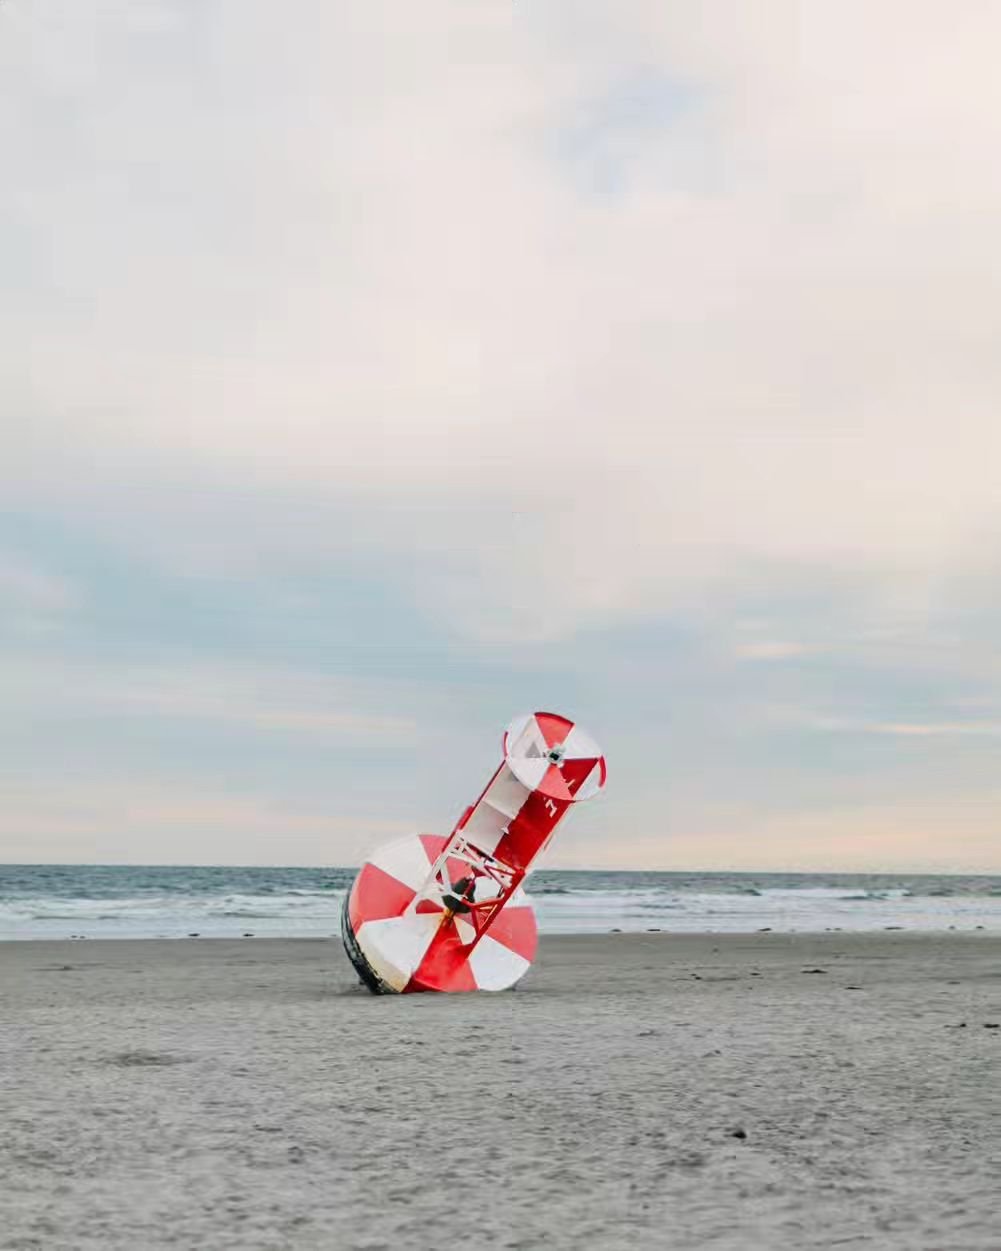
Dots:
{"x": 130, "y": 609}
{"x": 596, "y": 145}
{"x": 668, "y": 699}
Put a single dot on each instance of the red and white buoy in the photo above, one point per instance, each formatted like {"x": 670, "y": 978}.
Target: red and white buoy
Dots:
{"x": 435, "y": 913}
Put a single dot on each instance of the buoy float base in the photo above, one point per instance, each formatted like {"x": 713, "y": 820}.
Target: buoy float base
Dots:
{"x": 402, "y": 940}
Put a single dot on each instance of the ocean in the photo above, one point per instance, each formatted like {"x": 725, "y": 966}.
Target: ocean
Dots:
{"x": 126, "y": 901}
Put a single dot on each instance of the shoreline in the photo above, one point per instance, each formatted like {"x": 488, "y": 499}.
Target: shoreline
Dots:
{"x": 834, "y": 932}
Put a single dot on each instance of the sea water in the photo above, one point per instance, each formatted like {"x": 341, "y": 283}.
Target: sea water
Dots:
{"x": 124, "y": 901}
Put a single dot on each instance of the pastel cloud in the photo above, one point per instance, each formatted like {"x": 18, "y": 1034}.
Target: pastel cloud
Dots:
{"x": 553, "y": 324}
{"x": 379, "y": 281}
{"x": 153, "y": 823}
{"x": 30, "y": 597}
{"x": 253, "y": 697}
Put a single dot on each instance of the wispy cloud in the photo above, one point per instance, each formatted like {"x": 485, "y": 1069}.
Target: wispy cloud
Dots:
{"x": 152, "y": 821}
{"x": 691, "y": 374}
{"x": 911, "y": 729}
{"x": 771, "y": 649}
{"x": 921, "y": 832}
{"x": 253, "y": 697}
{"x": 31, "y": 594}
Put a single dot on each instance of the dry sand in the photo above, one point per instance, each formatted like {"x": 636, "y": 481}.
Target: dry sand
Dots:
{"x": 637, "y": 1091}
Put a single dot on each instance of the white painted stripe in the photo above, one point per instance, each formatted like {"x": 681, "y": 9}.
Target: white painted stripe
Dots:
{"x": 507, "y": 793}
{"x": 405, "y": 859}
{"x": 504, "y": 799}
{"x": 525, "y": 735}
{"x": 530, "y": 771}
{"x": 494, "y": 966}
{"x": 485, "y": 827}
{"x": 580, "y": 745}
{"x": 515, "y": 730}
{"x": 395, "y": 946}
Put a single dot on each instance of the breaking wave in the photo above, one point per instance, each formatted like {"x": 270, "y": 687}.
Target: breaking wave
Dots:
{"x": 61, "y": 901}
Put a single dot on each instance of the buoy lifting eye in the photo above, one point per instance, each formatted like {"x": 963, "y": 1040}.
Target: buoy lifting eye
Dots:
{"x": 556, "y": 754}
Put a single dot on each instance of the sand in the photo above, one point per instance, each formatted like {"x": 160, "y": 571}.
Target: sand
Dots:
{"x": 767, "y": 1091}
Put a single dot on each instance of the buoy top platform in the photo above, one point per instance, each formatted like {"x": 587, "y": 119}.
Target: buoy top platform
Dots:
{"x": 431, "y": 912}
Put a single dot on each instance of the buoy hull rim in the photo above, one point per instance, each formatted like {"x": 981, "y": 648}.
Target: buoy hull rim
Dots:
{"x": 365, "y": 971}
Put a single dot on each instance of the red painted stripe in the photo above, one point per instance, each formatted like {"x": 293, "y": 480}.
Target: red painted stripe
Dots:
{"x": 445, "y": 965}
{"x": 554, "y": 728}
{"x": 554, "y": 784}
{"x": 527, "y": 832}
{"x": 515, "y": 927}
{"x": 433, "y": 845}
{"x": 576, "y": 772}
{"x": 376, "y": 896}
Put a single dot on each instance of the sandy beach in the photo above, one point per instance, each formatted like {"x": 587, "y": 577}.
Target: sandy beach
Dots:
{"x": 765, "y": 1091}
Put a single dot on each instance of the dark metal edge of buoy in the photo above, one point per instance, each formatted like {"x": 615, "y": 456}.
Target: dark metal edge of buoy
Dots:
{"x": 362, "y": 967}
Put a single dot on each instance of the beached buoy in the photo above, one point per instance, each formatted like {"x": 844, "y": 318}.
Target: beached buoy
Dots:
{"x": 430, "y": 912}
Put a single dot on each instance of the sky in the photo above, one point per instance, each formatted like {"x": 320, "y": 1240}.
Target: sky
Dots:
{"x": 372, "y": 372}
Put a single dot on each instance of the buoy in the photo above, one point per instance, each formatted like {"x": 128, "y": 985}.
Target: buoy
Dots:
{"x": 430, "y": 912}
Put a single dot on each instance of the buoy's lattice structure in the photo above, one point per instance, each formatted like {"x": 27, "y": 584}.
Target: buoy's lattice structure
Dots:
{"x": 450, "y": 914}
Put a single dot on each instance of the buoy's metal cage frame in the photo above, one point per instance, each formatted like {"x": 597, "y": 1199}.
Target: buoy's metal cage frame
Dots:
{"x": 437, "y": 883}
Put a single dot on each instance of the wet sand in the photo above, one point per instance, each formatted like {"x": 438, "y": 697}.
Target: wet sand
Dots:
{"x": 649, "y": 1091}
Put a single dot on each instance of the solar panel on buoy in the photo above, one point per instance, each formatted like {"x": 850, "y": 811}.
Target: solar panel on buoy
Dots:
{"x": 434, "y": 913}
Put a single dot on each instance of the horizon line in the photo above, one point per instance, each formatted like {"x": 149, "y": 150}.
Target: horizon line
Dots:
{"x": 815, "y": 872}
